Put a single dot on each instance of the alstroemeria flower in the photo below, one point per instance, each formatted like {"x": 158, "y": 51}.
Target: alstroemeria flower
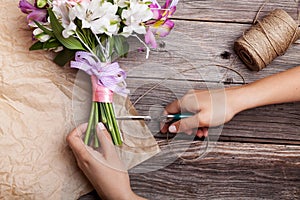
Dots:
{"x": 66, "y": 15}
{"x": 40, "y": 35}
{"x": 160, "y": 25}
{"x": 135, "y": 17}
{"x": 75, "y": 2}
{"x": 99, "y": 16}
{"x": 69, "y": 2}
{"x": 34, "y": 13}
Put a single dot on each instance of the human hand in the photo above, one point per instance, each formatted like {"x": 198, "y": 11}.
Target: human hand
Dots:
{"x": 104, "y": 170}
{"x": 210, "y": 108}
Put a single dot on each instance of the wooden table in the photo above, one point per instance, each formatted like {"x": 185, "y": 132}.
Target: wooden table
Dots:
{"x": 257, "y": 154}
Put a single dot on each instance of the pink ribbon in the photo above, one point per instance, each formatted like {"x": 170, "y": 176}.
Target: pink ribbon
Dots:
{"x": 106, "y": 78}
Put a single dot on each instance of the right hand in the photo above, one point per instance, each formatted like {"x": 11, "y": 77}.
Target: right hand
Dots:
{"x": 210, "y": 108}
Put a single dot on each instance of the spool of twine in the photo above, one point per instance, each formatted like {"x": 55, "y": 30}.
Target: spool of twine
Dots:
{"x": 267, "y": 39}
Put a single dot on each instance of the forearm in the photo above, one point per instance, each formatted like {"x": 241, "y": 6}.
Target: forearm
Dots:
{"x": 279, "y": 88}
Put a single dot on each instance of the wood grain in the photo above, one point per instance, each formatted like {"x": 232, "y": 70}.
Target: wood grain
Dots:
{"x": 258, "y": 153}
{"x": 229, "y": 171}
{"x": 200, "y": 46}
{"x": 268, "y": 124}
{"x": 230, "y": 11}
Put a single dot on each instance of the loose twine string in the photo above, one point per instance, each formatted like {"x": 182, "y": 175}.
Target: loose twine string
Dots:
{"x": 267, "y": 39}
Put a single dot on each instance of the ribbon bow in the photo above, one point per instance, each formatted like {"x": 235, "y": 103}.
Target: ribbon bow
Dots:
{"x": 110, "y": 76}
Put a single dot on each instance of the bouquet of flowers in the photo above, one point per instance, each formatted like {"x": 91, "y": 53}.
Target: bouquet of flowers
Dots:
{"x": 90, "y": 33}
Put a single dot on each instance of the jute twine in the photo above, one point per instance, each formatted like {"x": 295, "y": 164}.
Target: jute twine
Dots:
{"x": 267, "y": 39}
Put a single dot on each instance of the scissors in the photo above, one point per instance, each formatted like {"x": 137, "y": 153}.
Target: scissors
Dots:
{"x": 163, "y": 118}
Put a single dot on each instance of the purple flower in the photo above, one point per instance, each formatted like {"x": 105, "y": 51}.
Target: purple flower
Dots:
{"x": 160, "y": 25}
{"x": 34, "y": 13}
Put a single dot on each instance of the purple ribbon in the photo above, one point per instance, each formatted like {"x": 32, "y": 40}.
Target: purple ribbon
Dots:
{"x": 110, "y": 76}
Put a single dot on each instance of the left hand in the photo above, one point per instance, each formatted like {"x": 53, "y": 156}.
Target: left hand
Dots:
{"x": 104, "y": 170}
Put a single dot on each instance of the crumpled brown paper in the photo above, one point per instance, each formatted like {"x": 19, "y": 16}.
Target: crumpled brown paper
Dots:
{"x": 36, "y": 114}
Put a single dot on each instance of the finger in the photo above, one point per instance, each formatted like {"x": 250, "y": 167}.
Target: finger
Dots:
{"x": 205, "y": 131}
{"x": 200, "y": 133}
{"x": 186, "y": 124}
{"x": 104, "y": 138}
{"x": 75, "y": 142}
{"x": 164, "y": 127}
{"x": 172, "y": 108}
{"x": 75, "y": 135}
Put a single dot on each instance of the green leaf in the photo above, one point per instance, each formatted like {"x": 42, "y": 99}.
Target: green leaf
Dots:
{"x": 51, "y": 44}
{"x": 70, "y": 42}
{"x": 36, "y": 46}
{"x": 47, "y": 31}
{"x": 121, "y": 45}
{"x": 64, "y": 56}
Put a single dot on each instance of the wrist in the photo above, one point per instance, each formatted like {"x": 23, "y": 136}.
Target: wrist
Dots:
{"x": 245, "y": 97}
{"x": 239, "y": 99}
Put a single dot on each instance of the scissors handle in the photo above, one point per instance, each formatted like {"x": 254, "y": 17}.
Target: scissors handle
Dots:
{"x": 179, "y": 116}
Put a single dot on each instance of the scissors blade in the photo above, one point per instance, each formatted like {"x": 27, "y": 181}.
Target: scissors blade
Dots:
{"x": 164, "y": 118}
{"x": 134, "y": 117}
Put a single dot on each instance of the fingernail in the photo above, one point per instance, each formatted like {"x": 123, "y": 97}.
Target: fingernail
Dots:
{"x": 101, "y": 126}
{"x": 172, "y": 129}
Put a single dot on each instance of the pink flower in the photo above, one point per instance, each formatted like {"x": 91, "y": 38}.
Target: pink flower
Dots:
{"x": 160, "y": 25}
{"x": 34, "y": 13}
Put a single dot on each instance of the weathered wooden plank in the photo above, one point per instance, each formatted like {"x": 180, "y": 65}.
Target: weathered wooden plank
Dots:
{"x": 229, "y": 171}
{"x": 200, "y": 45}
{"x": 273, "y": 124}
{"x": 230, "y": 11}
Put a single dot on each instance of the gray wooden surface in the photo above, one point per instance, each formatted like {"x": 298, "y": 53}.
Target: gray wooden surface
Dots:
{"x": 257, "y": 155}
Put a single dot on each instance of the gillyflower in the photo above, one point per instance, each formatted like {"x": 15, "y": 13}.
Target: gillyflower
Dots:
{"x": 135, "y": 17}
{"x": 34, "y": 13}
{"x": 99, "y": 16}
{"x": 161, "y": 25}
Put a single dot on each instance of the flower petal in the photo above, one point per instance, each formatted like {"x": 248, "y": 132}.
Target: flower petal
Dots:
{"x": 26, "y": 7}
{"x": 150, "y": 39}
{"x": 156, "y": 11}
{"x": 39, "y": 15}
{"x": 161, "y": 28}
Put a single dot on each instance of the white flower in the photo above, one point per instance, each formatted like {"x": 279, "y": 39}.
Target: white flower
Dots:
{"x": 99, "y": 16}
{"x": 40, "y": 35}
{"x": 122, "y": 3}
{"x": 134, "y": 16}
{"x": 64, "y": 13}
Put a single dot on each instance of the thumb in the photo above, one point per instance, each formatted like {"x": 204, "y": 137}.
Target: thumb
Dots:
{"x": 185, "y": 125}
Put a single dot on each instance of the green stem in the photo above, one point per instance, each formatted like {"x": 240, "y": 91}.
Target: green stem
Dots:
{"x": 90, "y": 123}
{"x": 110, "y": 123}
{"x": 102, "y": 113}
{"x": 115, "y": 124}
{"x": 96, "y": 124}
